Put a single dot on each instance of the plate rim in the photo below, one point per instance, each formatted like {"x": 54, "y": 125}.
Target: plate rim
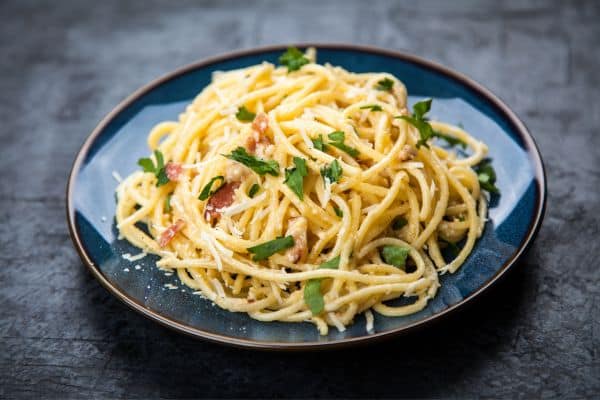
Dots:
{"x": 530, "y": 146}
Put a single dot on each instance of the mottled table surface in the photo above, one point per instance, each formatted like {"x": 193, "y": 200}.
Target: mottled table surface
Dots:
{"x": 64, "y": 66}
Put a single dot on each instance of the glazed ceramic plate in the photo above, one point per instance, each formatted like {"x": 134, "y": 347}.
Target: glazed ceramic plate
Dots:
{"x": 120, "y": 139}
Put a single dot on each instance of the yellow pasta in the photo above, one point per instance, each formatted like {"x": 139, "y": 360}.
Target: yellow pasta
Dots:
{"x": 371, "y": 192}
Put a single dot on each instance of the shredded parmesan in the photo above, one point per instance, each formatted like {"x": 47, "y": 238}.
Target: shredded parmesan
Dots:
{"x": 218, "y": 288}
{"x": 336, "y": 321}
{"x": 238, "y": 208}
{"x": 117, "y": 176}
{"x": 369, "y": 319}
{"x": 210, "y": 243}
{"x": 136, "y": 257}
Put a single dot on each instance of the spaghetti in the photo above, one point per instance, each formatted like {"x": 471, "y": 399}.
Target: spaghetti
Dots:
{"x": 306, "y": 192}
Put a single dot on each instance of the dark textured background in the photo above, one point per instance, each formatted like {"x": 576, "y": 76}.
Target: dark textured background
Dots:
{"x": 65, "y": 65}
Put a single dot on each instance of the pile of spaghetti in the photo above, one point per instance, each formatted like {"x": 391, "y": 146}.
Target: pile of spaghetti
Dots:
{"x": 305, "y": 192}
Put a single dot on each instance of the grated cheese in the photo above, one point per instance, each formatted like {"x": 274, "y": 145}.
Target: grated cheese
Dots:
{"x": 369, "y": 320}
{"x": 218, "y": 288}
{"x": 136, "y": 257}
{"x": 336, "y": 321}
{"x": 117, "y": 177}
{"x": 238, "y": 208}
{"x": 210, "y": 242}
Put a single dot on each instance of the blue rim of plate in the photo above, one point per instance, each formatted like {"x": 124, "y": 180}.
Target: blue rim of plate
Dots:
{"x": 518, "y": 126}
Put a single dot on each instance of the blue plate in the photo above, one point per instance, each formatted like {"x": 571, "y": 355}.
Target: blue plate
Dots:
{"x": 120, "y": 139}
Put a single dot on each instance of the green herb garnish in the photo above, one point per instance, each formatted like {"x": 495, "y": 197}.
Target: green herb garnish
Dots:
{"x": 333, "y": 172}
{"x": 267, "y": 249}
{"x": 337, "y": 140}
{"x": 206, "y": 192}
{"x": 372, "y": 107}
{"x": 487, "y": 176}
{"x": 258, "y": 165}
{"x": 253, "y": 190}
{"x": 395, "y": 255}
{"x": 312, "y": 290}
{"x": 168, "y": 203}
{"x": 418, "y": 120}
{"x": 451, "y": 140}
{"x": 244, "y": 115}
{"x": 385, "y": 84}
{"x": 158, "y": 170}
{"x": 294, "y": 177}
{"x": 454, "y": 249}
{"x": 318, "y": 143}
{"x": 399, "y": 223}
{"x": 293, "y": 59}
{"x": 338, "y": 212}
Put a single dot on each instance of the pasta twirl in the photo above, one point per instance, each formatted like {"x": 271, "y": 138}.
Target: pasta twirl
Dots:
{"x": 306, "y": 193}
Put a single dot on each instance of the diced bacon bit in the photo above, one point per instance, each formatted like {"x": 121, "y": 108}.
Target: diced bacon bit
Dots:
{"x": 173, "y": 170}
{"x": 250, "y": 301}
{"x": 257, "y": 141}
{"x": 260, "y": 123}
{"x": 297, "y": 228}
{"x": 407, "y": 153}
{"x": 220, "y": 199}
{"x": 170, "y": 232}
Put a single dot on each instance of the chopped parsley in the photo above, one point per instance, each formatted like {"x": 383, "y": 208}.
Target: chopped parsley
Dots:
{"x": 372, "y": 107}
{"x": 333, "y": 172}
{"x": 253, "y": 190}
{"x": 244, "y": 115}
{"x": 312, "y": 290}
{"x": 451, "y": 140}
{"x": 168, "y": 203}
{"x": 399, "y": 223}
{"x": 318, "y": 143}
{"x": 206, "y": 192}
{"x": 487, "y": 176}
{"x": 385, "y": 84}
{"x": 158, "y": 170}
{"x": 293, "y": 59}
{"x": 454, "y": 249}
{"x": 395, "y": 255}
{"x": 267, "y": 249}
{"x": 256, "y": 164}
{"x": 418, "y": 120}
{"x": 294, "y": 177}
{"x": 338, "y": 212}
{"x": 337, "y": 140}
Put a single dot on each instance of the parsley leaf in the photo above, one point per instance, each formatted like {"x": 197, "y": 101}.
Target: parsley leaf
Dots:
{"x": 244, "y": 115}
{"x": 294, "y": 177}
{"x": 318, "y": 143}
{"x": 293, "y": 59}
{"x": 206, "y": 192}
{"x": 338, "y": 212}
{"x": 312, "y": 290}
{"x": 337, "y": 140}
{"x": 333, "y": 172}
{"x": 487, "y": 176}
{"x": 395, "y": 255}
{"x": 146, "y": 164}
{"x": 419, "y": 121}
{"x": 451, "y": 140}
{"x": 399, "y": 223}
{"x": 168, "y": 203}
{"x": 454, "y": 249}
{"x": 385, "y": 84}
{"x": 372, "y": 107}
{"x": 267, "y": 249}
{"x": 253, "y": 190}
{"x": 258, "y": 165}
{"x": 158, "y": 170}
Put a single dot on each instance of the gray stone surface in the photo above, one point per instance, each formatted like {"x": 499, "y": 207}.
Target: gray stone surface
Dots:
{"x": 64, "y": 65}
